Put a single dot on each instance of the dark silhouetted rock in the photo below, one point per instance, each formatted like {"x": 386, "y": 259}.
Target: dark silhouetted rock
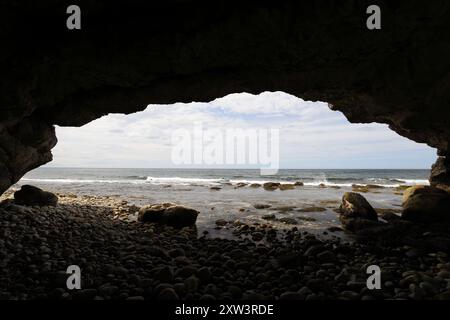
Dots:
{"x": 427, "y": 207}
{"x": 168, "y": 214}
{"x": 33, "y": 196}
{"x": 152, "y": 213}
{"x": 261, "y": 206}
{"x": 419, "y": 189}
{"x": 440, "y": 172}
{"x": 179, "y": 216}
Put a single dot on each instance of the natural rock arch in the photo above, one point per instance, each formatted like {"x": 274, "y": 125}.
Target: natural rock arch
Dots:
{"x": 126, "y": 57}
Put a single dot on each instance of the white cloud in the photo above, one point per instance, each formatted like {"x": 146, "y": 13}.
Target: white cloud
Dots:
{"x": 311, "y": 135}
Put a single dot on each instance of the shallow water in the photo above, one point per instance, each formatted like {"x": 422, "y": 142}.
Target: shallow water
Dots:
{"x": 192, "y": 188}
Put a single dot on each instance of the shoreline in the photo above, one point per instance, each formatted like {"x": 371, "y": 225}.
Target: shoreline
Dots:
{"x": 132, "y": 260}
{"x": 225, "y": 209}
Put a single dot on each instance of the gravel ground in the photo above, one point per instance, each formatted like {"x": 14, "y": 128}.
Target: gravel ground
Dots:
{"x": 123, "y": 259}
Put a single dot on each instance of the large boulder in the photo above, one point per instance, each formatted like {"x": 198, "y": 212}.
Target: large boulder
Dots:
{"x": 179, "y": 216}
{"x": 168, "y": 214}
{"x": 356, "y": 212}
{"x": 420, "y": 189}
{"x": 440, "y": 172}
{"x": 34, "y": 196}
{"x": 153, "y": 212}
{"x": 426, "y": 204}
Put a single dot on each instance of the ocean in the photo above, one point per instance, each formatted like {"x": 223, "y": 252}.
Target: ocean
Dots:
{"x": 192, "y": 187}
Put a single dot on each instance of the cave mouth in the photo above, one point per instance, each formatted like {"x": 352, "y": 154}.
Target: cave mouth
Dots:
{"x": 136, "y": 158}
{"x": 308, "y": 133}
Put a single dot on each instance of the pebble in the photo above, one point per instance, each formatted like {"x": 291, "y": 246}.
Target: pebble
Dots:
{"x": 122, "y": 260}
{"x": 168, "y": 294}
{"x": 326, "y": 257}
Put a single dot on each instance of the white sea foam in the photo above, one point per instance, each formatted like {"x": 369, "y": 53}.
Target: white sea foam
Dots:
{"x": 220, "y": 181}
{"x": 85, "y": 181}
{"x": 184, "y": 181}
{"x": 415, "y": 181}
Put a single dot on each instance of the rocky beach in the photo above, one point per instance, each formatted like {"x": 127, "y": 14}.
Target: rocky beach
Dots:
{"x": 123, "y": 258}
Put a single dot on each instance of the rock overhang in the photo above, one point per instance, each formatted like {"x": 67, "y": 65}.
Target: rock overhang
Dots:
{"x": 126, "y": 57}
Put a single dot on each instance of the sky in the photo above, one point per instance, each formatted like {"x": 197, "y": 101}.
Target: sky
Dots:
{"x": 311, "y": 136}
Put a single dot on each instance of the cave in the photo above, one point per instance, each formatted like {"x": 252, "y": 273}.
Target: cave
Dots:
{"x": 126, "y": 56}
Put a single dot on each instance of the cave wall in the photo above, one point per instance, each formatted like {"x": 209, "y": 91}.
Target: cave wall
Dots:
{"x": 129, "y": 54}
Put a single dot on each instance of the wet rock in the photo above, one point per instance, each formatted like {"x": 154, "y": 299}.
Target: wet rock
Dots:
{"x": 299, "y": 184}
{"x": 286, "y": 186}
{"x": 271, "y": 186}
{"x": 360, "y": 188}
{"x": 419, "y": 189}
{"x": 312, "y": 209}
{"x": 440, "y": 172}
{"x": 284, "y": 208}
{"x": 356, "y": 212}
{"x": 389, "y": 214}
{"x": 255, "y": 185}
{"x": 240, "y": 185}
{"x": 363, "y": 226}
{"x": 34, "y": 196}
{"x": 152, "y": 213}
{"x": 168, "y": 214}
{"x": 179, "y": 216}
{"x": 426, "y": 205}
